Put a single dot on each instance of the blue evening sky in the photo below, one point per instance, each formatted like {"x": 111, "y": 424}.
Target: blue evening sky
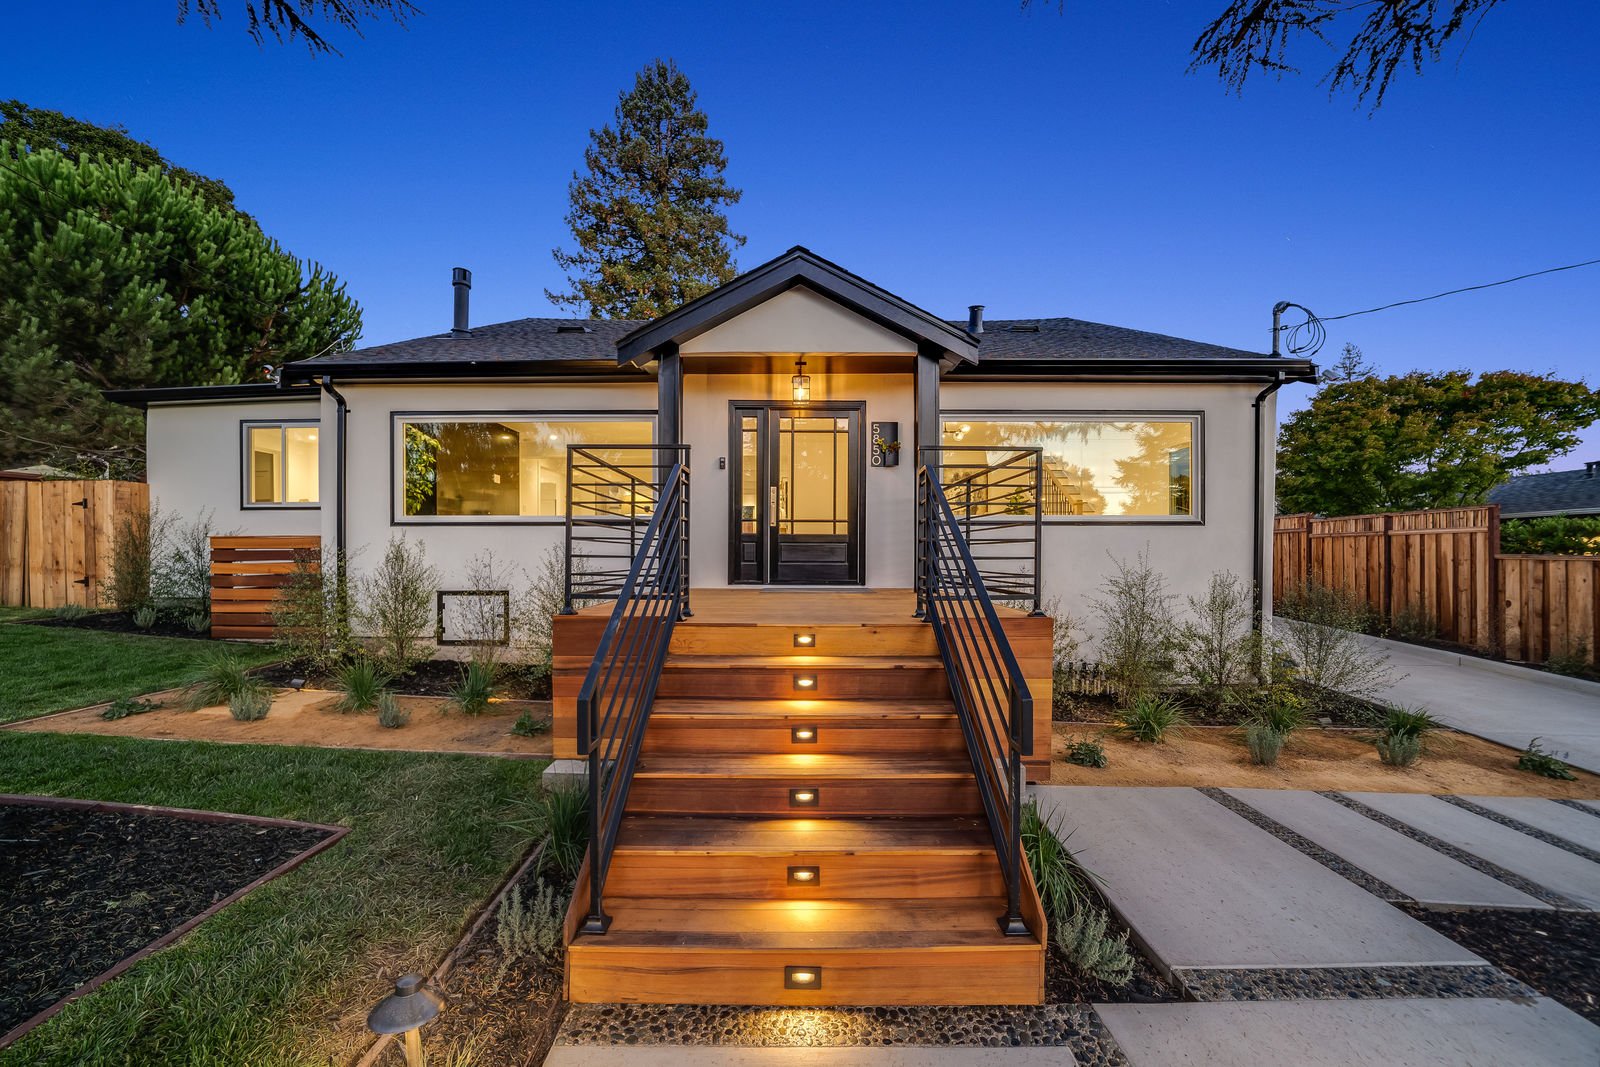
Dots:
{"x": 1037, "y": 162}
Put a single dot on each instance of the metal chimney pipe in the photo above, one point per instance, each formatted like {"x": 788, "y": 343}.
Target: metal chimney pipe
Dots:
{"x": 975, "y": 318}
{"x": 461, "y": 279}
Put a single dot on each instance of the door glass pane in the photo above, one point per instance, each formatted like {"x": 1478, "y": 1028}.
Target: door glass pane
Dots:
{"x": 813, "y": 476}
{"x": 749, "y": 476}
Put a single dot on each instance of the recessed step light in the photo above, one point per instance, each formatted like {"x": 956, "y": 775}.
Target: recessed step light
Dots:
{"x": 802, "y": 977}
{"x": 805, "y": 797}
{"x": 807, "y": 876}
{"x": 805, "y": 640}
{"x": 803, "y": 735}
{"x": 806, "y": 683}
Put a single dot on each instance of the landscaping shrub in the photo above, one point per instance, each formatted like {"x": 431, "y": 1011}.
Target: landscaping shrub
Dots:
{"x": 1263, "y": 742}
{"x": 390, "y": 715}
{"x": 126, "y": 706}
{"x": 531, "y": 929}
{"x": 127, "y": 587}
{"x": 528, "y": 725}
{"x": 562, "y": 816}
{"x": 1218, "y": 649}
{"x": 1319, "y": 631}
{"x": 1138, "y": 633}
{"x": 1403, "y": 734}
{"x": 312, "y": 614}
{"x": 533, "y": 618}
{"x": 221, "y": 679}
{"x": 145, "y": 617}
{"x": 1086, "y": 753}
{"x": 1398, "y": 750}
{"x": 477, "y": 685}
{"x": 1552, "y": 535}
{"x": 397, "y": 605}
{"x": 250, "y": 703}
{"x": 180, "y": 565}
{"x": 1413, "y": 624}
{"x": 1082, "y": 936}
{"x": 1537, "y": 760}
{"x": 198, "y": 623}
{"x": 359, "y": 684}
{"x": 1149, "y": 718}
{"x": 1573, "y": 662}
{"x": 69, "y": 612}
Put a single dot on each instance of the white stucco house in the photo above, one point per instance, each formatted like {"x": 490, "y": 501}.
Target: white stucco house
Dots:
{"x": 459, "y": 439}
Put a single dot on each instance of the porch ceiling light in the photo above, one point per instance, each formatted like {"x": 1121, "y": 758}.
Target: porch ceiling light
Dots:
{"x": 805, "y": 797}
{"x": 806, "y": 683}
{"x": 800, "y": 384}
{"x": 803, "y": 735}
{"x": 805, "y": 876}
{"x": 406, "y": 1011}
{"x": 802, "y": 978}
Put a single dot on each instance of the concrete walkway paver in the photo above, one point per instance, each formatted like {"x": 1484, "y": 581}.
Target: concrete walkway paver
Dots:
{"x": 1547, "y": 815}
{"x": 833, "y": 1056}
{"x": 1202, "y": 887}
{"x": 1388, "y": 855}
{"x": 1504, "y": 703}
{"x": 1333, "y": 1033}
{"x": 1544, "y": 864}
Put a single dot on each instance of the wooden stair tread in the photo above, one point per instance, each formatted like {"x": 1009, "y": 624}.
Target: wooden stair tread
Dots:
{"x": 805, "y": 662}
{"x": 819, "y": 710}
{"x": 758, "y": 925}
{"x": 781, "y": 836}
{"x": 817, "y": 767}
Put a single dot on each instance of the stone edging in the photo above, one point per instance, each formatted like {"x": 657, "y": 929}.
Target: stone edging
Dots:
{"x": 1338, "y": 865}
{"x": 1495, "y": 871}
{"x": 1073, "y": 1026}
{"x": 1523, "y": 828}
{"x": 1347, "y": 983}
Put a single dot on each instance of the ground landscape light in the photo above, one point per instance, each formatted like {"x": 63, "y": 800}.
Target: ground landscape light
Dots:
{"x": 406, "y": 1011}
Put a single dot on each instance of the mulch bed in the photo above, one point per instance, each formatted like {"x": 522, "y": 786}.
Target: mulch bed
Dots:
{"x": 433, "y": 678}
{"x": 121, "y": 622}
{"x": 496, "y": 1010}
{"x": 1552, "y": 951}
{"x": 85, "y": 887}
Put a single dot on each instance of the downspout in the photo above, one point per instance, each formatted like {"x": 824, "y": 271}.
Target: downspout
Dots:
{"x": 1258, "y": 564}
{"x": 338, "y": 470}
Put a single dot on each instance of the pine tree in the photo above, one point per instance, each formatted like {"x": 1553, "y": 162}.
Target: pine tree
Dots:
{"x": 647, "y": 215}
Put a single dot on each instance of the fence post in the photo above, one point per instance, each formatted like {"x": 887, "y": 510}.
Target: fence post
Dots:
{"x": 1497, "y": 608}
{"x": 1388, "y": 568}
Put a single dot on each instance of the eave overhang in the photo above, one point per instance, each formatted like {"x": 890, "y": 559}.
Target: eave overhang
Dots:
{"x": 1264, "y": 369}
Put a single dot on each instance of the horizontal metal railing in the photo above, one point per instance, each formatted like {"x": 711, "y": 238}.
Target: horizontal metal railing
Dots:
{"x": 612, "y": 493}
{"x": 619, "y": 688}
{"x": 993, "y": 703}
{"x": 996, "y": 496}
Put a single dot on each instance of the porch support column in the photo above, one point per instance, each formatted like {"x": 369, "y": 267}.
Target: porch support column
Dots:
{"x": 926, "y": 431}
{"x": 669, "y": 396}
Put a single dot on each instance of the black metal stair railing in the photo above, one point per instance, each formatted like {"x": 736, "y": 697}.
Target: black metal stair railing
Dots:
{"x": 997, "y": 496}
{"x": 620, "y": 686}
{"x": 993, "y": 703}
{"x": 612, "y": 493}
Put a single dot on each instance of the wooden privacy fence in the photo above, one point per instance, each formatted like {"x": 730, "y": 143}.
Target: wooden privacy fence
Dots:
{"x": 56, "y": 537}
{"x": 247, "y": 577}
{"x": 1441, "y": 570}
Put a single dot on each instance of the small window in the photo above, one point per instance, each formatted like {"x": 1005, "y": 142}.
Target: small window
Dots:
{"x": 280, "y": 464}
{"x": 1101, "y": 467}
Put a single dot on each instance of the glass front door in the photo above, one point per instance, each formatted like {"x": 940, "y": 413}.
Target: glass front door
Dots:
{"x": 797, "y": 494}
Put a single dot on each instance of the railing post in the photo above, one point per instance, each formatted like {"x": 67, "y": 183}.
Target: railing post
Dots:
{"x": 683, "y": 564}
{"x": 566, "y": 554}
{"x": 1038, "y": 532}
{"x": 1011, "y": 923}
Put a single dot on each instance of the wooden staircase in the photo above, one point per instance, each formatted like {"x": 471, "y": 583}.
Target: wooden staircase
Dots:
{"x": 803, "y": 826}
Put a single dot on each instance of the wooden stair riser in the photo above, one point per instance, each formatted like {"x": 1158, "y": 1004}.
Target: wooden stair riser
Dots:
{"x": 889, "y": 796}
{"x": 683, "y": 679}
{"x": 694, "y": 975}
{"x": 911, "y": 639}
{"x": 934, "y": 736}
{"x": 840, "y": 876}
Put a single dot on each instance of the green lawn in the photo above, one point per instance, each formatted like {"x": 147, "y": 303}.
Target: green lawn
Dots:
{"x": 286, "y": 975}
{"x": 14, "y": 614}
{"x": 51, "y": 668}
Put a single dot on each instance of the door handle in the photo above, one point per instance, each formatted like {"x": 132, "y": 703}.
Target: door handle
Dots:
{"x": 772, "y": 506}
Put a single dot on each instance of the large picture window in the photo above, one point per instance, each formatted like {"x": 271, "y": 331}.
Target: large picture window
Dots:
{"x": 497, "y": 467}
{"x": 1134, "y": 466}
{"x": 280, "y": 464}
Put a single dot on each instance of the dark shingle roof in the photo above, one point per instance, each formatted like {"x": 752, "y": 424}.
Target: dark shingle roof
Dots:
{"x": 519, "y": 340}
{"x": 1556, "y": 493}
{"x": 1067, "y": 339}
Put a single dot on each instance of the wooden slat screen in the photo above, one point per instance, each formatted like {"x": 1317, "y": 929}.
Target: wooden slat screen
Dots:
{"x": 246, "y": 576}
{"x": 56, "y": 538}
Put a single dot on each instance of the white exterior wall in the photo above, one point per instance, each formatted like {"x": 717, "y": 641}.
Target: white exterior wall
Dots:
{"x": 370, "y": 517}
{"x": 1078, "y": 553}
{"x": 890, "y": 492}
{"x": 194, "y": 456}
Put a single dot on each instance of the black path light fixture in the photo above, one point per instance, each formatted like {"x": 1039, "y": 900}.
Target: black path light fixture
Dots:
{"x": 800, "y": 384}
{"x": 406, "y": 1011}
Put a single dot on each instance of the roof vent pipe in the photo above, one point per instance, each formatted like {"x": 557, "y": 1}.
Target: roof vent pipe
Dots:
{"x": 461, "y": 279}
{"x": 975, "y": 318}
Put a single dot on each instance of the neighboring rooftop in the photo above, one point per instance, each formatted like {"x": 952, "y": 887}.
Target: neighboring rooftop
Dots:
{"x": 1574, "y": 492}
